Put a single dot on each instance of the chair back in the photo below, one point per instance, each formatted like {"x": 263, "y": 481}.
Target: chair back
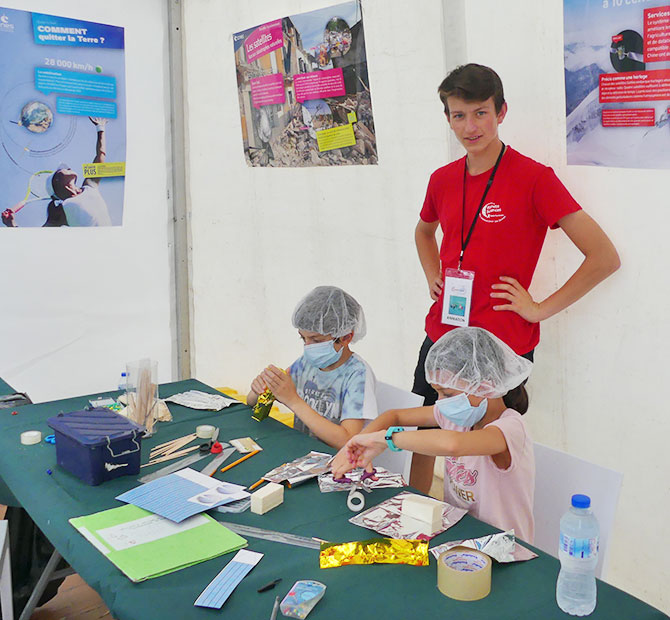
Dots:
{"x": 6, "y": 596}
{"x": 558, "y": 476}
{"x": 391, "y": 397}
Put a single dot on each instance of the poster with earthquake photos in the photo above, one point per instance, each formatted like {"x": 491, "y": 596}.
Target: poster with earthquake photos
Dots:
{"x": 303, "y": 89}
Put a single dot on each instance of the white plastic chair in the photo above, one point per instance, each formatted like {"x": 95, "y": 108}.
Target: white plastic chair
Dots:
{"x": 5, "y": 574}
{"x": 558, "y": 476}
{"x": 391, "y": 397}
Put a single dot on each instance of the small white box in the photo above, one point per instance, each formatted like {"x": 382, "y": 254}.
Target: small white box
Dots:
{"x": 424, "y": 509}
{"x": 267, "y": 498}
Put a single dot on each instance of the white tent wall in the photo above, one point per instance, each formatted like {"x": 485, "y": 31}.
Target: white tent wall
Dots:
{"x": 597, "y": 389}
{"x": 78, "y": 303}
{"x": 264, "y": 237}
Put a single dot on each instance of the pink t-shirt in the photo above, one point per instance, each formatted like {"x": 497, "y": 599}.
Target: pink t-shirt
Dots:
{"x": 500, "y": 497}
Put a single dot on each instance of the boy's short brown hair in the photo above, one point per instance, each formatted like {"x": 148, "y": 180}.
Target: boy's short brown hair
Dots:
{"x": 472, "y": 82}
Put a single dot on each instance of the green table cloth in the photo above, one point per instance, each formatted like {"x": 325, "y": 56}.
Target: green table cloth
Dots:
{"x": 6, "y": 496}
{"x": 519, "y": 590}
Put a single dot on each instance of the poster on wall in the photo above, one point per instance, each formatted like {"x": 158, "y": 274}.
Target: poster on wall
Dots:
{"x": 303, "y": 90}
{"x": 617, "y": 82}
{"x": 62, "y": 121}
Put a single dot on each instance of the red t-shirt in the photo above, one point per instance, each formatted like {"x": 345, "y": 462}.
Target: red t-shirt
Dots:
{"x": 525, "y": 199}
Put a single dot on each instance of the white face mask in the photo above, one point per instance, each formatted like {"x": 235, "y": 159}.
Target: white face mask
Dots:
{"x": 459, "y": 411}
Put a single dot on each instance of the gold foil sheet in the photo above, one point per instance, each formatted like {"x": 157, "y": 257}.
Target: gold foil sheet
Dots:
{"x": 374, "y": 551}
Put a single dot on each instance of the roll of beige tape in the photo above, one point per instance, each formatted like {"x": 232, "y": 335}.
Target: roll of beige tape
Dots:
{"x": 204, "y": 431}
{"x": 31, "y": 437}
{"x": 464, "y": 574}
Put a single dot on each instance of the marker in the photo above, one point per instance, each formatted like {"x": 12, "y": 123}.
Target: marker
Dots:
{"x": 269, "y": 586}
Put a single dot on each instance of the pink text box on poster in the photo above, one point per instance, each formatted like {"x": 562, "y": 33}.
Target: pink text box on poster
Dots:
{"x": 635, "y": 86}
{"x": 318, "y": 84}
{"x": 267, "y": 89}
{"x": 264, "y": 40}
{"x": 635, "y": 117}
{"x": 657, "y": 34}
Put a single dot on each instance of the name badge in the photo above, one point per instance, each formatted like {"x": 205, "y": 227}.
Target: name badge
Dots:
{"x": 457, "y": 297}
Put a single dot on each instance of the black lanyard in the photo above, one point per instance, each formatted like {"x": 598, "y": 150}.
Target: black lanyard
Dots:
{"x": 464, "y": 244}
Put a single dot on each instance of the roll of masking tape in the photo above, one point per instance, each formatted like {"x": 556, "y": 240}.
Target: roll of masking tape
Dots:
{"x": 204, "y": 431}
{"x": 464, "y": 574}
{"x": 31, "y": 437}
{"x": 355, "y": 501}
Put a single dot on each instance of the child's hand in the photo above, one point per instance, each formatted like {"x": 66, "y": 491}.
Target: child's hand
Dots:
{"x": 258, "y": 385}
{"x": 341, "y": 464}
{"x": 281, "y": 385}
{"x": 359, "y": 451}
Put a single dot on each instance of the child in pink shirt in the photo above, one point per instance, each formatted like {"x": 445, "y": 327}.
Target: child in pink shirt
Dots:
{"x": 489, "y": 464}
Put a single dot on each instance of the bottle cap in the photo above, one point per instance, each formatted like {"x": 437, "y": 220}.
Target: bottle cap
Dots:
{"x": 581, "y": 501}
{"x": 123, "y": 374}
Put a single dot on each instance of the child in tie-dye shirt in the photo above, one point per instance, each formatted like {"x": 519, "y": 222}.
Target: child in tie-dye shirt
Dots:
{"x": 330, "y": 389}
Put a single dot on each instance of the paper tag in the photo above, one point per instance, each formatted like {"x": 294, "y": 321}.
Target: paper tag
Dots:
{"x": 245, "y": 445}
{"x": 457, "y": 297}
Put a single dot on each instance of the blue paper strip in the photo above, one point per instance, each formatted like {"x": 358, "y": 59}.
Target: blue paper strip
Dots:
{"x": 222, "y": 586}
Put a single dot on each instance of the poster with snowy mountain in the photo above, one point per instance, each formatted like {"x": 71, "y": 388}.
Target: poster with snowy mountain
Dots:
{"x": 617, "y": 83}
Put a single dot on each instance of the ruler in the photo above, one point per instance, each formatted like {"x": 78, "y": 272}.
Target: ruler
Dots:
{"x": 173, "y": 467}
{"x": 211, "y": 468}
{"x": 280, "y": 537}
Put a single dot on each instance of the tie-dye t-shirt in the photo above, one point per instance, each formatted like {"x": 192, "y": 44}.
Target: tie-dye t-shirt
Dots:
{"x": 345, "y": 393}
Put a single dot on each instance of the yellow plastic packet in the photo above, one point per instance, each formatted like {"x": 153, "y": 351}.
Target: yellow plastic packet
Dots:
{"x": 263, "y": 406}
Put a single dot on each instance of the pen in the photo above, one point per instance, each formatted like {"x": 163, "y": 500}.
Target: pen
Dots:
{"x": 275, "y": 608}
{"x": 257, "y": 484}
{"x": 269, "y": 586}
{"x": 238, "y": 461}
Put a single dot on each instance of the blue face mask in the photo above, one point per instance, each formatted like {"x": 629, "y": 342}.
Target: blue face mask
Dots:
{"x": 457, "y": 409}
{"x": 322, "y": 354}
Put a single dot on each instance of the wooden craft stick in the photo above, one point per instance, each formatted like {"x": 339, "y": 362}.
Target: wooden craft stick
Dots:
{"x": 238, "y": 461}
{"x": 169, "y": 457}
{"x": 169, "y": 444}
{"x": 178, "y": 445}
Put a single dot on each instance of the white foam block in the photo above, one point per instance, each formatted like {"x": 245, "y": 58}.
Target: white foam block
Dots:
{"x": 267, "y": 498}
{"x": 424, "y": 509}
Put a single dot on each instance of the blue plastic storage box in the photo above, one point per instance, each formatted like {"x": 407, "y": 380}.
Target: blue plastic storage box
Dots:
{"x": 97, "y": 444}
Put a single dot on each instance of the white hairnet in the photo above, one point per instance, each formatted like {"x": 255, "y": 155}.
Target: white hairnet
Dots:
{"x": 329, "y": 310}
{"x": 474, "y": 361}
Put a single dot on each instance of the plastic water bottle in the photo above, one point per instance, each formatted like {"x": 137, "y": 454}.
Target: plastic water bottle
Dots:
{"x": 578, "y": 553}
{"x": 123, "y": 382}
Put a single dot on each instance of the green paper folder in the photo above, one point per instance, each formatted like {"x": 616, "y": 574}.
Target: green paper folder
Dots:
{"x": 144, "y": 545}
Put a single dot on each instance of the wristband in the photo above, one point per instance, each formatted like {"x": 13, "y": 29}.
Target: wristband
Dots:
{"x": 100, "y": 128}
{"x": 389, "y": 437}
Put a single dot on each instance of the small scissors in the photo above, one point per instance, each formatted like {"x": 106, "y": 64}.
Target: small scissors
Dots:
{"x": 212, "y": 445}
{"x": 372, "y": 475}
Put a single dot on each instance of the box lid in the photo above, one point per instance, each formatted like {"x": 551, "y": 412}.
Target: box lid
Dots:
{"x": 95, "y": 426}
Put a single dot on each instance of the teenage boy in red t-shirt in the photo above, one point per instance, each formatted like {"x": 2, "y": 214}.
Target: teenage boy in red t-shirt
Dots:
{"x": 497, "y": 233}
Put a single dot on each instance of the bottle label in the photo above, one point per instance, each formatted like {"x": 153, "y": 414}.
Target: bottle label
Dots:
{"x": 579, "y": 547}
